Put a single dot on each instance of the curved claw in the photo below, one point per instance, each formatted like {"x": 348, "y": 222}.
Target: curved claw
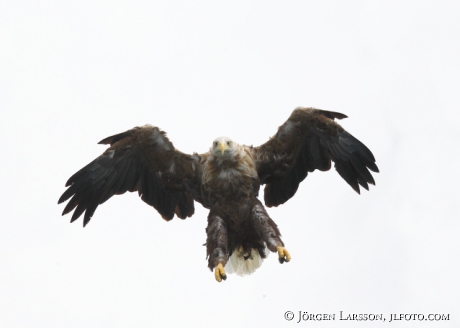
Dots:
{"x": 219, "y": 273}
{"x": 283, "y": 254}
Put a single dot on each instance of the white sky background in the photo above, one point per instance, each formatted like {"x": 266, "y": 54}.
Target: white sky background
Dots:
{"x": 73, "y": 73}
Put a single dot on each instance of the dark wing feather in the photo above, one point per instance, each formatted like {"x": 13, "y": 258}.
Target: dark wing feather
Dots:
{"x": 141, "y": 159}
{"x": 308, "y": 141}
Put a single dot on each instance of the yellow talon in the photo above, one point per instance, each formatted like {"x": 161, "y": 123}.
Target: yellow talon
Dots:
{"x": 283, "y": 254}
{"x": 219, "y": 273}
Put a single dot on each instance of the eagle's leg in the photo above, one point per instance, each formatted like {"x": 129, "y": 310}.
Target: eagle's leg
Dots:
{"x": 269, "y": 232}
{"x": 216, "y": 246}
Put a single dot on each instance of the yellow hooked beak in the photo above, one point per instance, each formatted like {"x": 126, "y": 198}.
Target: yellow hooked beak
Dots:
{"x": 223, "y": 147}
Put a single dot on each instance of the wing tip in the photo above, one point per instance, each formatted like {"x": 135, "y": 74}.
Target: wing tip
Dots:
{"x": 374, "y": 168}
{"x": 106, "y": 141}
{"x": 113, "y": 139}
{"x": 332, "y": 115}
{"x": 358, "y": 191}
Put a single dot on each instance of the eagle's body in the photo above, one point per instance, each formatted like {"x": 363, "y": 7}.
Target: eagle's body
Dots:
{"x": 226, "y": 180}
{"x": 229, "y": 189}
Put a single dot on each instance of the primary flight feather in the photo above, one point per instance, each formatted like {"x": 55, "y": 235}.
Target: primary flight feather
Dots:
{"x": 225, "y": 180}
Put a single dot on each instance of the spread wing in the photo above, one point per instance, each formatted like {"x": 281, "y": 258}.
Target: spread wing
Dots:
{"x": 308, "y": 141}
{"x": 143, "y": 160}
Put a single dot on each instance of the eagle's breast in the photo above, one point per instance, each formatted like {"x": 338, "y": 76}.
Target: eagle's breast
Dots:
{"x": 232, "y": 182}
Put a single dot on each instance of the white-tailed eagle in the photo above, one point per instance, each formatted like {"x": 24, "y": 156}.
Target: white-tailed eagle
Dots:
{"x": 225, "y": 180}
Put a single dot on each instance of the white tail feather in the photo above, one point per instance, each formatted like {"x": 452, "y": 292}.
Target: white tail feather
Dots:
{"x": 237, "y": 264}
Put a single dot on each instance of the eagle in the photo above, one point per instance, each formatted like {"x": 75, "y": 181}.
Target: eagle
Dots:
{"x": 226, "y": 180}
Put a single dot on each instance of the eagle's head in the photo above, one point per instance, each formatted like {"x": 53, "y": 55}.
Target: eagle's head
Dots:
{"x": 224, "y": 148}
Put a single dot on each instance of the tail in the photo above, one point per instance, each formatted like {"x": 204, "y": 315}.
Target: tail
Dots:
{"x": 244, "y": 263}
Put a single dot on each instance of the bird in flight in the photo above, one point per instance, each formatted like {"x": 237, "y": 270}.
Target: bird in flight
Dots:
{"x": 226, "y": 180}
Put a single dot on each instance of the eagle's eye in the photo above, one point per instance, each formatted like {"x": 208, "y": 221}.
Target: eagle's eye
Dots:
{"x": 228, "y": 143}
{"x": 215, "y": 143}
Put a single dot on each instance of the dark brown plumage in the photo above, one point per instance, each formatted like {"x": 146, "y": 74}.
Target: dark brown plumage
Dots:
{"x": 226, "y": 180}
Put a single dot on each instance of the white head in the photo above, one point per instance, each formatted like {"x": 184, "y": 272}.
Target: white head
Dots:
{"x": 224, "y": 148}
